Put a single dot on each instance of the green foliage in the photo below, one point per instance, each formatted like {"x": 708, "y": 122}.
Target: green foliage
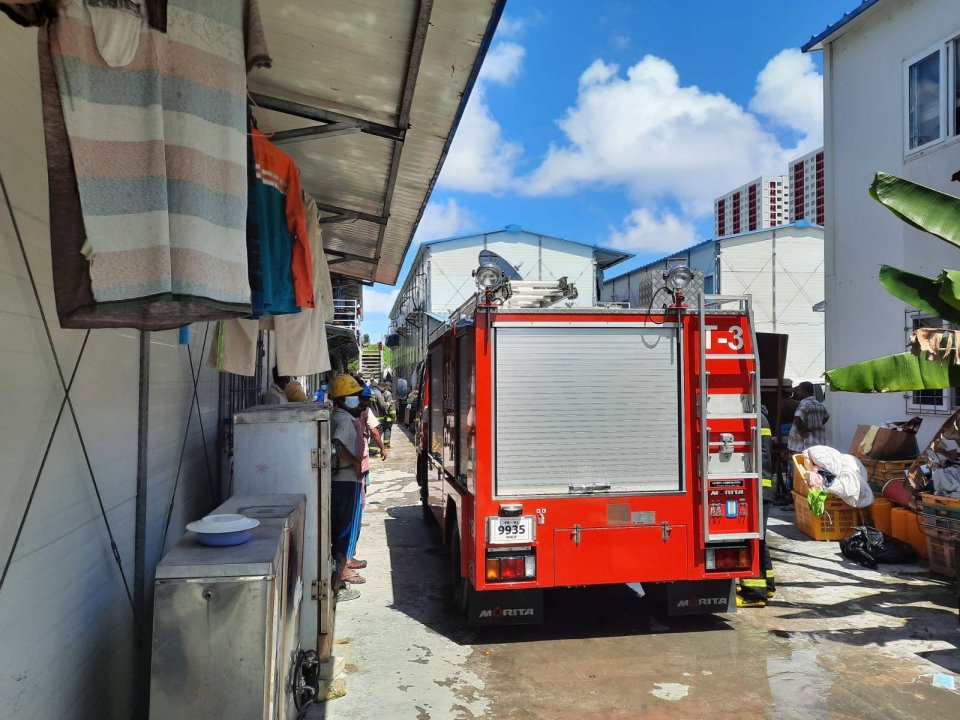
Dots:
{"x": 922, "y": 207}
{"x": 939, "y": 296}
{"x": 895, "y": 373}
{"x": 938, "y": 214}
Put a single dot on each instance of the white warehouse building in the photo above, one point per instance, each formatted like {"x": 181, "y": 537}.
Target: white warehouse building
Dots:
{"x": 781, "y": 268}
{"x": 441, "y": 279}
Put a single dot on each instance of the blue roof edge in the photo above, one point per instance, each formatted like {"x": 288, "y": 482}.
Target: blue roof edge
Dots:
{"x": 816, "y": 42}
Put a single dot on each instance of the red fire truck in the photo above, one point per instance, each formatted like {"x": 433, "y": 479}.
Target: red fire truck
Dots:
{"x": 570, "y": 446}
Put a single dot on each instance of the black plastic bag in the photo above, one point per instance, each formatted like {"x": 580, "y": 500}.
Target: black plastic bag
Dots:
{"x": 869, "y": 547}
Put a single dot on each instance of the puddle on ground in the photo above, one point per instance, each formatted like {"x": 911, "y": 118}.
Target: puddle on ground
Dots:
{"x": 799, "y": 685}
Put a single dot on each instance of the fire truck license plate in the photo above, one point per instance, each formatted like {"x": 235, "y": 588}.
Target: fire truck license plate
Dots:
{"x": 503, "y": 530}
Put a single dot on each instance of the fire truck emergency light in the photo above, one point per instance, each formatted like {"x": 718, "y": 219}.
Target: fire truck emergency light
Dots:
{"x": 678, "y": 277}
{"x": 488, "y": 277}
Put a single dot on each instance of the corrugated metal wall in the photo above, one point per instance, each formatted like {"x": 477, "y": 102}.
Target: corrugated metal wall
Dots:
{"x": 66, "y": 626}
{"x": 795, "y": 276}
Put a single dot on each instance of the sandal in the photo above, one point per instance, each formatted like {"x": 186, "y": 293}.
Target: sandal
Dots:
{"x": 356, "y": 564}
{"x": 355, "y": 579}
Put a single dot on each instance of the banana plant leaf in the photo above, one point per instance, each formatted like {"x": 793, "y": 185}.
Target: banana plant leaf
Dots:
{"x": 895, "y": 373}
{"x": 938, "y": 296}
{"x": 925, "y": 208}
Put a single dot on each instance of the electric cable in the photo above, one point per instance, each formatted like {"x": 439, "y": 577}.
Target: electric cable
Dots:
{"x": 196, "y": 401}
{"x": 183, "y": 446}
{"x": 63, "y": 383}
{"x": 43, "y": 463}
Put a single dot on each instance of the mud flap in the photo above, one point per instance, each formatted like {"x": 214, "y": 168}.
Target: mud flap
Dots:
{"x": 698, "y": 597}
{"x": 504, "y": 607}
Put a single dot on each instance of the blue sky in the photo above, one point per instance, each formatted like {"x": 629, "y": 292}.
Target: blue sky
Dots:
{"x": 618, "y": 125}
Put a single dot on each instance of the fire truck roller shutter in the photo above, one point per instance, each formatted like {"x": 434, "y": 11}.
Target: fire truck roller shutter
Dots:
{"x": 587, "y": 405}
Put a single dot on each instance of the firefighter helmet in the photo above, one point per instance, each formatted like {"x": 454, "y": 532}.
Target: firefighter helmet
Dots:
{"x": 344, "y": 385}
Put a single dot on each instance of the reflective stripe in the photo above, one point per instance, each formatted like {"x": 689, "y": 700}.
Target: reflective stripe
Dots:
{"x": 767, "y": 482}
{"x": 766, "y": 432}
{"x": 769, "y": 574}
{"x": 750, "y": 582}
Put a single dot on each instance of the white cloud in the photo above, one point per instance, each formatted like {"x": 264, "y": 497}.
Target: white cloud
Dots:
{"x": 789, "y": 91}
{"x": 658, "y": 138}
{"x": 642, "y": 231}
{"x": 376, "y": 302}
{"x": 481, "y": 159}
{"x": 620, "y": 41}
{"x": 443, "y": 219}
{"x": 510, "y": 27}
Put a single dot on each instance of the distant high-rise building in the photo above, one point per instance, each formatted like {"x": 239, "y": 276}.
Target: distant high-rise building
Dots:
{"x": 761, "y": 203}
{"x": 806, "y": 188}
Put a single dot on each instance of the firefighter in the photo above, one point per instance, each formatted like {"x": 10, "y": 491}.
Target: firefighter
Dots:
{"x": 388, "y": 410}
{"x": 754, "y": 592}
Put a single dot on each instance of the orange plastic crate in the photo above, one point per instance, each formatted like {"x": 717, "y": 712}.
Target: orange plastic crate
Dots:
{"x": 836, "y": 523}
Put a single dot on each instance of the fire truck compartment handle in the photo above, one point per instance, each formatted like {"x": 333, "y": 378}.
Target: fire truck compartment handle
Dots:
{"x": 588, "y": 488}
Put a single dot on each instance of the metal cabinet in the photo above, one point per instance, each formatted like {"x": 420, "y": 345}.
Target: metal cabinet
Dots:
{"x": 286, "y": 449}
{"x": 224, "y": 621}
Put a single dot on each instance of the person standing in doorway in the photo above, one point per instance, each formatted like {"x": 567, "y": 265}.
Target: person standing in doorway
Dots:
{"x": 346, "y": 485}
{"x": 809, "y": 421}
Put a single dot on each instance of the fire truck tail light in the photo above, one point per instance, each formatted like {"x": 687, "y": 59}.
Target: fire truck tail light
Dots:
{"x": 511, "y": 567}
{"x": 728, "y": 558}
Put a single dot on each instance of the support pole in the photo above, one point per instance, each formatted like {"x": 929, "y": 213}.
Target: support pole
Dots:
{"x": 140, "y": 610}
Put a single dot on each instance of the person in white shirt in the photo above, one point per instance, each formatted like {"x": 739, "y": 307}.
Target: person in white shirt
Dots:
{"x": 809, "y": 420}
{"x": 274, "y": 394}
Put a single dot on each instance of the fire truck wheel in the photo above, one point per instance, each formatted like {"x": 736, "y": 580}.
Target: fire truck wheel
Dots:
{"x": 458, "y": 584}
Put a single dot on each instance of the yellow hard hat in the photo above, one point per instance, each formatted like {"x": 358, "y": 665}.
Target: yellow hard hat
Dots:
{"x": 294, "y": 392}
{"x": 344, "y": 385}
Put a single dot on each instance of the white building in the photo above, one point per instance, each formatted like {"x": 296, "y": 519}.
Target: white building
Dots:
{"x": 890, "y": 99}
{"x": 761, "y": 203}
{"x": 781, "y": 268}
{"x": 807, "y": 188}
{"x": 441, "y": 279}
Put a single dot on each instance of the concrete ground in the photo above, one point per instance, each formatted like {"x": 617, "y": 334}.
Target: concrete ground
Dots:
{"x": 838, "y": 641}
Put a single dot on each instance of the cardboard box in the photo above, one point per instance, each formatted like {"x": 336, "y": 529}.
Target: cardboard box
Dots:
{"x": 887, "y": 445}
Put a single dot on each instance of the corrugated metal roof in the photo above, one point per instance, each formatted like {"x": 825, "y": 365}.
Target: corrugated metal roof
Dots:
{"x": 816, "y": 42}
{"x": 380, "y": 87}
{"x": 801, "y": 224}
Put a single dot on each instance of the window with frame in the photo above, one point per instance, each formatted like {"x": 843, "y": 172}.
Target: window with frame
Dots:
{"x": 930, "y": 402}
{"x": 932, "y": 95}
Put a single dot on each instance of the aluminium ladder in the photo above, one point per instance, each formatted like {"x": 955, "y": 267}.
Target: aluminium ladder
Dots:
{"x": 729, "y": 416}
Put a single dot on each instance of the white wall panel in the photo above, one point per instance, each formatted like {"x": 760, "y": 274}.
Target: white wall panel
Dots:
{"x": 67, "y": 649}
{"x": 864, "y": 132}
{"x": 784, "y": 287}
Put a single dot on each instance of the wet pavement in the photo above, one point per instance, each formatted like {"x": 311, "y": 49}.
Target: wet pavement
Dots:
{"x": 837, "y": 641}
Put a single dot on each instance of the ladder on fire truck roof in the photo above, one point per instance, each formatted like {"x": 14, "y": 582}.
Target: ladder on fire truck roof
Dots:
{"x": 742, "y": 458}
{"x": 517, "y": 294}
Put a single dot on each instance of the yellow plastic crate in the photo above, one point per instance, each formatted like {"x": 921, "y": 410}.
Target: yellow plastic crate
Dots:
{"x": 836, "y": 523}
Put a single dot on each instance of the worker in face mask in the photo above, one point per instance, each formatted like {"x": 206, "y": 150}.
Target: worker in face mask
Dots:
{"x": 345, "y": 488}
